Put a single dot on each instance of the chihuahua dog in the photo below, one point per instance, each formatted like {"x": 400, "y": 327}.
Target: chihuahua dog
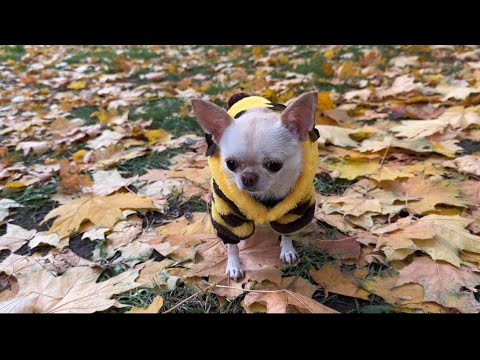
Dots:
{"x": 259, "y": 149}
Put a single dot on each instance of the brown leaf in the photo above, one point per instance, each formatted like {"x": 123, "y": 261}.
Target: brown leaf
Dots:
{"x": 332, "y": 279}
{"x": 443, "y": 283}
{"x": 76, "y": 291}
{"x": 15, "y": 237}
{"x": 279, "y": 301}
{"x": 153, "y": 308}
{"x": 103, "y": 211}
{"x": 259, "y": 257}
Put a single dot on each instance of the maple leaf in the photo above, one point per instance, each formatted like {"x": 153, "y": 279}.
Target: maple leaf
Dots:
{"x": 17, "y": 264}
{"x": 406, "y": 297}
{"x": 103, "y": 211}
{"x": 363, "y": 197}
{"x": 71, "y": 181}
{"x": 279, "y": 301}
{"x": 443, "y": 283}
{"x": 422, "y": 195}
{"x": 5, "y": 205}
{"x": 107, "y": 182}
{"x": 107, "y": 138}
{"x": 75, "y": 291}
{"x": 336, "y": 135}
{"x": 259, "y": 257}
{"x": 154, "y": 274}
{"x": 153, "y": 308}
{"x": 331, "y": 278}
{"x": 402, "y": 84}
{"x": 450, "y": 239}
{"x": 469, "y": 164}
{"x": 47, "y": 238}
{"x": 15, "y": 237}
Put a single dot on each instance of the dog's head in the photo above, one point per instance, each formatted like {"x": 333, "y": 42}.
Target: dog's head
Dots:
{"x": 262, "y": 149}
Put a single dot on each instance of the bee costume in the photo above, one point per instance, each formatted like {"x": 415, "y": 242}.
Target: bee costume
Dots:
{"x": 234, "y": 213}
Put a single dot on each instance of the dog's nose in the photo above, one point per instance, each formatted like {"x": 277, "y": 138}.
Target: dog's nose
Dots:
{"x": 249, "y": 179}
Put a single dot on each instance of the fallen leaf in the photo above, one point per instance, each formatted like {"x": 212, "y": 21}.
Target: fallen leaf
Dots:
{"x": 278, "y": 301}
{"x": 5, "y": 206}
{"x": 423, "y": 195}
{"x": 469, "y": 164}
{"x": 443, "y": 283}
{"x": 107, "y": 182}
{"x": 153, "y": 308}
{"x": 332, "y": 279}
{"x": 75, "y": 291}
{"x": 15, "y": 237}
{"x": 103, "y": 211}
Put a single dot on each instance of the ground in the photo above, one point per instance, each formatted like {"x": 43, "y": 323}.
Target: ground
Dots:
{"x": 106, "y": 135}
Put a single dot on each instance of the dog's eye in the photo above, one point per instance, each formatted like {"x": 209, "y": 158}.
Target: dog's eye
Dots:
{"x": 232, "y": 164}
{"x": 273, "y": 166}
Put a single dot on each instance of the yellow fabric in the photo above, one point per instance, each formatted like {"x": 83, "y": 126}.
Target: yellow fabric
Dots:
{"x": 303, "y": 190}
{"x": 248, "y": 103}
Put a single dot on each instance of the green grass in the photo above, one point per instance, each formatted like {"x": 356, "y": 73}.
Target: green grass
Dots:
{"x": 165, "y": 115}
{"x": 326, "y": 185}
{"x": 313, "y": 65}
{"x": 203, "y": 302}
{"x": 35, "y": 196}
{"x": 139, "y": 53}
{"x": 84, "y": 112}
{"x": 308, "y": 257}
{"x": 216, "y": 89}
{"x": 11, "y": 52}
{"x": 81, "y": 57}
{"x": 153, "y": 160}
{"x": 36, "y": 201}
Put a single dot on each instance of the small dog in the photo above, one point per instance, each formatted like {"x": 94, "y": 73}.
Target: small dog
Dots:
{"x": 263, "y": 157}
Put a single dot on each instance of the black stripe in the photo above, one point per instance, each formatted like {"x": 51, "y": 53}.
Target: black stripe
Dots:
{"x": 277, "y": 107}
{"x": 226, "y": 235}
{"x": 229, "y": 202}
{"x": 270, "y": 203}
{"x": 233, "y": 220}
{"x": 295, "y": 225}
{"x": 300, "y": 208}
{"x": 239, "y": 114}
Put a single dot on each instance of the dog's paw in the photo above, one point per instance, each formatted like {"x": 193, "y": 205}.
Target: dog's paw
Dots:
{"x": 234, "y": 272}
{"x": 289, "y": 256}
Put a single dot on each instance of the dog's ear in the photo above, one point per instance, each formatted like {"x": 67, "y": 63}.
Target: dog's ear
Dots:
{"x": 299, "y": 116}
{"x": 212, "y": 118}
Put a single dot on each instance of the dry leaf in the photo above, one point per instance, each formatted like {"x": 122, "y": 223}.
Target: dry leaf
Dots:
{"x": 103, "y": 211}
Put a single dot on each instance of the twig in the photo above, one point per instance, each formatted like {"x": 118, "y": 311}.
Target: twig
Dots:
{"x": 188, "y": 298}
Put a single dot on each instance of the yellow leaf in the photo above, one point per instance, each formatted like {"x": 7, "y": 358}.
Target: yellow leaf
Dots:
{"x": 329, "y": 54}
{"x": 15, "y": 184}
{"x": 153, "y": 308}
{"x": 103, "y": 211}
{"x": 423, "y": 195}
{"x": 157, "y": 135}
{"x": 78, "y": 156}
{"x": 77, "y": 85}
{"x": 332, "y": 279}
{"x": 171, "y": 68}
{"x": 348, "y": 69}
{"x": 324, "y": 101}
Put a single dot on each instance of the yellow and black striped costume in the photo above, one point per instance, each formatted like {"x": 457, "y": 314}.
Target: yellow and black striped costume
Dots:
{"x": 234, "y": 213}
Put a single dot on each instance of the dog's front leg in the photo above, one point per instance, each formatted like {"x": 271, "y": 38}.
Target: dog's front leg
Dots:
{"x": 287, "y": 252}
{"x": 234, "y": 269}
